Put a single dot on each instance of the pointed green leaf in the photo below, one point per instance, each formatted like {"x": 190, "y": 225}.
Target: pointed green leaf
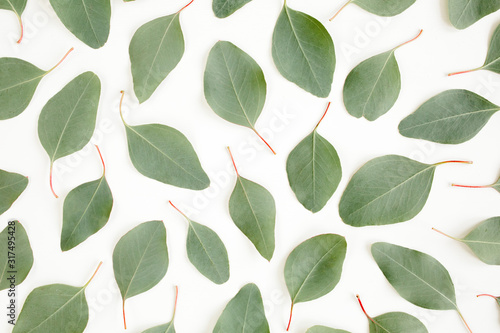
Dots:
{"x": 384, "y": 7}
{"x": 225, "y": 8}
{"x": 235, "y": 87}
{"x": 396, "y": 322}
{"x": 21, "y": 249}
{"x": 16, "y": 6}
{"x": 253, "y": 210}
{"x": 314, "y": 267}
{"x": 323, "y": 329}
{"x": 416, "y": 276}
{"x": 86, "y": 210}
{"x": 244, "y": 313}
{"x": 140, "y": 258}
{"x": 88, "y": 20}
{"x": 67, "y": 121}
{"x": 452, "y": 117}
{"x": 155, "y": 50}
{"x": 492, "y": 62}
{"x": 386, "y": 190}
{"x": 303, "y": 52}
{"x": 314, "y": 171}
{"x": 464, "y": 13}
{"x": 12, "y": 185}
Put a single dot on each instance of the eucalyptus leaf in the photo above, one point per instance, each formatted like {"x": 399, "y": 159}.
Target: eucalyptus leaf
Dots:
{"x": 67, "y": 122}
{"x": 386, "y": 190}
{"x": 16, "y": 255}
{"x": 497, "y": 299}
{"x": 88, "y": 20}
{"x": 54, "y": 308}
{"x": 235, "y": 86}
{"x": 86, "y": 210}
{"x": 417, "y": 277}
{"x": 314, "y": 170}
{"x": 372, "y": 88}
{"x": 225, "y": 8}
{"x": 163, "y": 153}
{"x": 394, "y": 322}
{"x": 464, "y": 13}
{"x": 253, "y": 210}
{"x": 495, "y": 186}
{"x": 324, "y": 329}
{"x": 140, "y": 260}
{"x": 380, "y": 7}
{"x": 484, "y": 241}
{"x": 244, "y": 313}
{"x": 12, "y": 185}
{"x": 452, "y": 117}
{"x": 303, "y": 51}
{"x": 16, "y": 6}
{"x": 168, "y": 327}
{"x": 314, "y": 268}
{"x": 18, "y": 82}
{"x": 206, "y": 251}
{"x": 155, "y": 50}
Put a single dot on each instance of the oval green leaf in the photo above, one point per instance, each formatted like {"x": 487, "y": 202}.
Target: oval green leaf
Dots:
{"x": 314, "y": 171}
{"x": 225, "y": 8}
{"x": 12, "y": 185}
{"x": 452, "y": 117}
{"x": 244, "y": 313}
{"x": 15, "y": 232}
{"x": 16, "y": 6}
{"x": 303, "y": 52}
{"x": 396, "y": 322}
{"x": 384, "y": 7}
{"x": 464, "y": 13}
{"x": 88, "y": 20}
{"x": 324, "y": 329}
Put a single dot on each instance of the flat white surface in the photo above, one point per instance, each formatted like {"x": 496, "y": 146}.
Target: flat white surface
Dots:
{"x": 289, "y": 115}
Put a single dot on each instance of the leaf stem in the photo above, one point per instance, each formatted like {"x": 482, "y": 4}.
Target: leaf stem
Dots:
{"x": 453, "y": 161}
{"x": 185, "y": 6}
{"x": 341, "y": 8}
{"x": 232, "y": 159}
{"x": 102, "y": 161}
{"x": 22, "y": 28}
{"x": 463, "y": 319}
{"x": 411, "y": 40}
{"x": 364, "y": 311}
{"x": 464, "y": 72}
{"x": 290, "y": 320}
{"x": 120, "y": 107}
{"x": 471, "y": 186}
{"x": 324, "y": 114}
{"x": 50, "y": 179}
{"x": 92, "y": 277}
{"x": 60, "y": 61}
{"x": 267, "y": 144}
{"x": 175, "y": 304}
{"x": 442, "y": 233}
{"x": 170, "y": 202}
{"x": 487, "y": 295}
{"x": 124, "y": 319}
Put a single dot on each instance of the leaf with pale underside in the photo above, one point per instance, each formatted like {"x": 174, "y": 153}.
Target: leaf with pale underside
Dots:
{"x": 244, "y": 313}
{"x": 225, "y": 8}
{"x": 452, "y": 117}
{"x": 20, "y": 246}
{"x": 464, "y": 13}
{"x": 12, "y": 185}
{"x": 303, "y": 52}
{"x": 88, "y": 20}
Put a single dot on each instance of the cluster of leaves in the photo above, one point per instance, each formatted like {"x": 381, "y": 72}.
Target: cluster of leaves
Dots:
{"x": 386, "y": 190}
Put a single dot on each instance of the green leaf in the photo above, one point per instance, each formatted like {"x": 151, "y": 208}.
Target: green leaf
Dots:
{"x": 253, "y": 210}
{"x": 452, "y": 117}
{"x": 314, "y": 170}
{"x": 22, "y": 251}
{"x": 416, "y": 276}
{"x": 16, "y": 6}
{"x": 225, "y": 8}
{"x": 12, "y": 185}
{"x": 168, "y": 327}
{"x": 484, "y": 241}
{"x": 163, "y": 153}
{"x": 303, "y": 52}
{"x": 206, "y": 251}
{"x": 155, "y": 50}
{"x": 140, "y": 259}
{"x": 244, "y": 313}
{"x": 372, "y": 88}
{"x": 54, "y": 308}
{"x": 380, "y": 7}
{"x": 18, "y": 82}
{"x": 86, "y": 210}
{"x": 314, "y": 268}
{"x": 323, "y": 329}
{"x": 88, "y": 20}
{"x": 464, "y": 13}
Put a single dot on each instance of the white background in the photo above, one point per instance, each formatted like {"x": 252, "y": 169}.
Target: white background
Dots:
{"x": 289, "y": 115}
